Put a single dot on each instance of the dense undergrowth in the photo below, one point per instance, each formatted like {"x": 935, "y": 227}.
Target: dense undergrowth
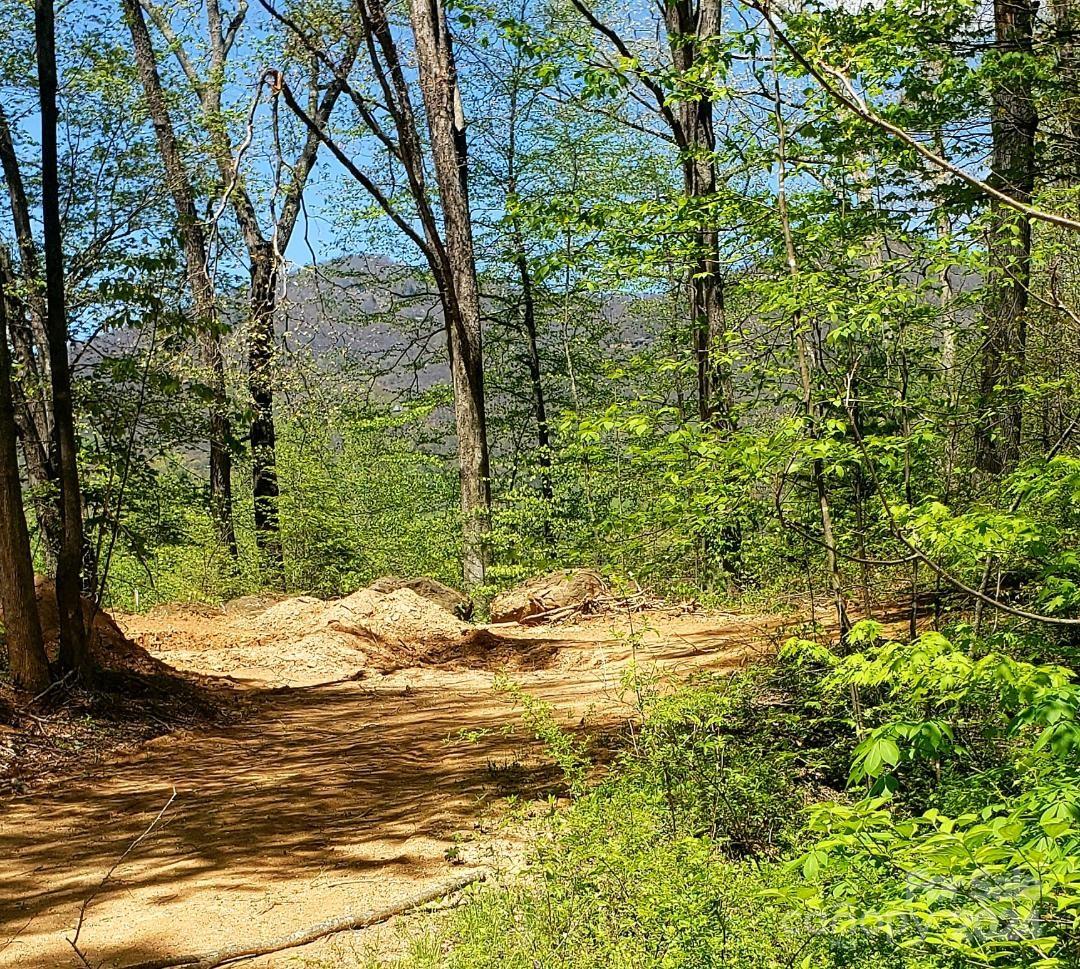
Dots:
{"x": 909, "y": 803}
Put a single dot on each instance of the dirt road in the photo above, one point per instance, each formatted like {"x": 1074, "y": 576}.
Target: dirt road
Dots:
{"x": 326, "y": 800}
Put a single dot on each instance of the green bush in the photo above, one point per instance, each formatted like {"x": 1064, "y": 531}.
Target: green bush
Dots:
{"x": 674, "y": 859}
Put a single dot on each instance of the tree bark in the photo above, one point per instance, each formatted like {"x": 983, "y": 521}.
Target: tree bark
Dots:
{"x": 691, "y": 25}
{"x": 342, "y": 923}
{"x": 26, "y": 329}
{"x": 1014, "y": 124}
{"x": 22, "y": 623}
{"x": 449, "y": 252}
{"x": 74, "y": 654}
{"x": 265, "y": 266}
{"x": 201, "y": 287}
{"x": 446, "y": 123}
{"x": 263, "y": 432}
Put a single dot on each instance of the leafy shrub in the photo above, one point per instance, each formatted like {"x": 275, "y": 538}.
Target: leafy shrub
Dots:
{"x": 666, "y": 861}
{"x": 983, "y": 867}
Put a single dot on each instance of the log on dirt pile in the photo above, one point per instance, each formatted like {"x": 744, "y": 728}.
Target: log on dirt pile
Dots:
{"x": 454, "y": 602}
{"x": 345, "y": 923}
{"x": 563, "y": 592}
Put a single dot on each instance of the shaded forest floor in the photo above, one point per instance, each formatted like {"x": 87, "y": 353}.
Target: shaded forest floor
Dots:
{"x": 324, "y": 797}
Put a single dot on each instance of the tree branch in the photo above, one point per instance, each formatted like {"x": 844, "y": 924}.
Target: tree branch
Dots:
{"x": 346, "y": 923}
{"x": 847, "y": 96}
{"x": 157, "y": 15}
{"x": 347, "y": 163}
{"x": 655, "y": 89}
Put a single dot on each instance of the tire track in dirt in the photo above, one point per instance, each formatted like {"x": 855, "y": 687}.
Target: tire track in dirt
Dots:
{"x": 327, "y": 799}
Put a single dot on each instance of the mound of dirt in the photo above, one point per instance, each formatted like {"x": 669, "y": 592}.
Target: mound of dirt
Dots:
{"x": 111, "y": 650}
{"x": 568, "y": 588}
{"x": 391, "y": 629}
{"x": 450, "y": 599}
{"x": 303, "y": 640}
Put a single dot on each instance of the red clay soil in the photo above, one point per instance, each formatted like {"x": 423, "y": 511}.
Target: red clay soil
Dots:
{"x": 135, "y": 697}
{"x": 326, "y": 799}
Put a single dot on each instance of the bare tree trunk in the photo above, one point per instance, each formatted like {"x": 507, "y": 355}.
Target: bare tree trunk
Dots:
{"x": 22, "y": 623}
{"x": 945, "y": 290}
{"x": 33, "y": 420}
{"x": 262, "y": 296}
{"x": 195, "y": 256}
{"x": 691, "y": 24}
{"x": 446, "y": 123}
{"x": 449, "y": 252}
{"x": 261, "y": 341}
{"x": 26, "y": 327}
{"x": 1014, "y": 124}
{"x": 706, "y": 287}
{"x": 74, "y": 654}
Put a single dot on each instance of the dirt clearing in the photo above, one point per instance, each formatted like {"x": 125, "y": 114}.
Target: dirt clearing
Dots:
{"x": 326, "y": 799}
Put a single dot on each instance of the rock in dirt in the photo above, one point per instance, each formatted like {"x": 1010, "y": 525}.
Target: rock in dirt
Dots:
{"x": 449, "y": 598}
{"x": 576, "y": 588}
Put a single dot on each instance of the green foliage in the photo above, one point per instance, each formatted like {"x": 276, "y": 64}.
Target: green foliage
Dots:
{"x": 672, "y": 860}
{"x": 693, "y": 849}
{"x": 821, "y": 435}
{"x": 566, "y": 750}
{"x": 359, "y": 501}
{"x": 983, "y": 865}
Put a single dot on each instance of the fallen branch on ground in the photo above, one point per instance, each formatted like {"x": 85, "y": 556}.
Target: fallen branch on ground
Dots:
{"x": 344, "y": 923}
{"x": 74, "y": 942}
{"x": 551, "y": 615}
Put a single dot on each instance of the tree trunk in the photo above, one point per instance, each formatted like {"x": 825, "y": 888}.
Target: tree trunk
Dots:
{"x": 33, "y": 419}
{"x": 532, "y": 359}
{"x": 74, "y": 655}
{"x": 1014, "y": 124}
{"x": 263, "y": 253}
{"x": 446, "y": 123}
{"x": 22, "y": 623}
{"x": 26, "y": 328}
{"x": 707, "y": 310}
{"x": 691, "y": 25}
{"x": 449, "y": 253}
{"x": 195, "y": 258}
{"x": 264, "y": 279}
